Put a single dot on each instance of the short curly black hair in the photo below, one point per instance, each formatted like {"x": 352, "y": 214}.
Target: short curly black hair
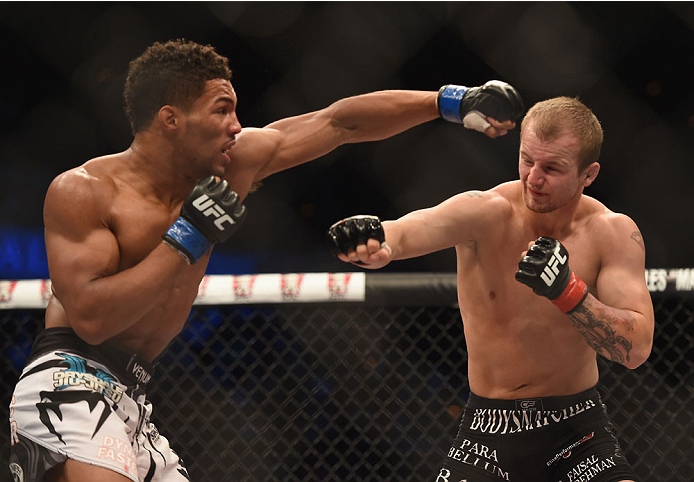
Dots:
{"x": 173, "y": 73}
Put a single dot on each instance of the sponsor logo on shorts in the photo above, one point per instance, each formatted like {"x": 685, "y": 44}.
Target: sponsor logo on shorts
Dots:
{"x": 78, "y": 372}
{"x": 477, "y": 455}
{"x": 118, "y": 452}
{"x": 154, "y": 435}
{"x": 502, "y": 421}
{"x": 138, "y": 371}
{"x": 17, "y": 472}
{"x": 566, "y": 453}
{"x": 529, "y": 404}
{"x": 444, "y": 475}
{"x": 589, "y": 468}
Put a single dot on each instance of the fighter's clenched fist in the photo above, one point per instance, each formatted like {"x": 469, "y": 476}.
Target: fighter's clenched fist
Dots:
{"x": 359, "y": 240}
{"x": 474, "y": 106}
{"x": 210, "y": 214}
{"x": 545, "y": 268}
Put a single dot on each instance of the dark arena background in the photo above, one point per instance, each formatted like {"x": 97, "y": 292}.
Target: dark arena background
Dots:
{"x": 300, "y": 382}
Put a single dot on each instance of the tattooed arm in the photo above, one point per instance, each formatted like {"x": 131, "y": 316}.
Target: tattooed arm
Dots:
{"x": 617, "y": 321}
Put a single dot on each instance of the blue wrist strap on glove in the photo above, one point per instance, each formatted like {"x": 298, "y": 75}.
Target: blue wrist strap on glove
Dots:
{"x": 187, "y": 240}
{"x": 449, "y": 99}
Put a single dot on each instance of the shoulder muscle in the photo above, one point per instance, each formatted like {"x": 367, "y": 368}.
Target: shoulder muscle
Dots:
{"x": 619, "y": 232}
{"x": 75, "y": 198}
{"x": 79, "y": 244}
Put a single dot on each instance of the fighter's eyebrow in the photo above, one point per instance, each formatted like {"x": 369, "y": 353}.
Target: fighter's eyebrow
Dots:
{"x": 225, "y": 99}
{"x": 557, "y": 159}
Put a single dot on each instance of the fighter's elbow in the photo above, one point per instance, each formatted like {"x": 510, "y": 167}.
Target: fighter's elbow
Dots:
{"x": 89, "y": 333}
{"x": 639, "y": 355}
{"x": 88, "y": 328}
{"x": 345, "y": 132}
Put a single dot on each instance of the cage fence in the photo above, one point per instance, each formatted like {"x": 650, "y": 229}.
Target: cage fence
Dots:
{"x": 366, "y": 389}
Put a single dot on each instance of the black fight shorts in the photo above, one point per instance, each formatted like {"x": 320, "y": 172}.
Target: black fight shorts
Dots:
{"x": 549, "y": 439}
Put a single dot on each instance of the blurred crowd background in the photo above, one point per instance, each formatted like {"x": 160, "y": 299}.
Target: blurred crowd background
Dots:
{"x": 64, "y": 66}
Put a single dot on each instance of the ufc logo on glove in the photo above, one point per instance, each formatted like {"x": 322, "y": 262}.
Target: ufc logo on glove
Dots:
{"x": 549, "y": 274}
{"x": 545, "y": 268}
{"x": 208, "y": 207}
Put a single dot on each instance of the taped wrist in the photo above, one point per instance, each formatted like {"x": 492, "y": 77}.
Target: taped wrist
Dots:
{"x": 184, "y": 238}
{"x": 448, "y": 102}
{"x": 572, "y": 296}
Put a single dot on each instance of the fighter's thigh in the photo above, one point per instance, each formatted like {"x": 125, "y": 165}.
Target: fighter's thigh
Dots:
{"x": 74, "y": 471}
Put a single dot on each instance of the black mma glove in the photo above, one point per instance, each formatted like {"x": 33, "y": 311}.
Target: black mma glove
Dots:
{"x": 545, "y": 268}
{"x": 346, "y": 235}
{"x": 210, "y": 214}
{"x": 470, "y": 106}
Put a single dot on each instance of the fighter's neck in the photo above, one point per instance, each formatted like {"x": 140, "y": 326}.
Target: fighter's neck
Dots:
{"x": 154, "y": 169}
{"x": 557, "y": 224}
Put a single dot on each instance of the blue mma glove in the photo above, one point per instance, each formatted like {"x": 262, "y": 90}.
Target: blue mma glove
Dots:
{"x": 471, "y": 106}
{"x": 210, "y": 214}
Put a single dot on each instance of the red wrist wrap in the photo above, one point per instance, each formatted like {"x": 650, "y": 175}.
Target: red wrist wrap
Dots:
{"x": 572, "y": 296}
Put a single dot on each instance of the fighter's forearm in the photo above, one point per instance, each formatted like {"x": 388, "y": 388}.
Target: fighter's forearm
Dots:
{"x": 109, "y": 305}
{"x": 611, "y": 332}
{"x": 367, "y": 117}
{"x": 379, "y": 115}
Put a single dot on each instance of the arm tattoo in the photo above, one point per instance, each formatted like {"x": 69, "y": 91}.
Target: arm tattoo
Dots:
{"x": 600, "y": 335}
{"x": 636, "y": 236}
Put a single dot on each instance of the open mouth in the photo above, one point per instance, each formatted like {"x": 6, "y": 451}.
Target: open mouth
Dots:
{"x": 227, "y": 147}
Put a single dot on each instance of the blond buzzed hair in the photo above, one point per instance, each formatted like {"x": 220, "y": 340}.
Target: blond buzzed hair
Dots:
{"x": 552, "y": 117}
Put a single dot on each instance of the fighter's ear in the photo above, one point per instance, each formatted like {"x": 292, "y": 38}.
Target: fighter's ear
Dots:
{"x": 590, "y": 173}
{"x": 167, "y": 117}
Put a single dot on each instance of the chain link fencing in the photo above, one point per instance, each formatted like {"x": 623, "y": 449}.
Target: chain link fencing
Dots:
{"x": 363, "y": 391}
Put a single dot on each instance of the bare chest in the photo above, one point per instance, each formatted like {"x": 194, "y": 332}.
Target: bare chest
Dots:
{"x": 138, "y": 224}
{"x": 486, "y": 275}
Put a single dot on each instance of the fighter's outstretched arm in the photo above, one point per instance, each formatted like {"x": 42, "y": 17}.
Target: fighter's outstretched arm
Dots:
{"x": 492, "y": 109}
{"x": 365, "y": 241}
